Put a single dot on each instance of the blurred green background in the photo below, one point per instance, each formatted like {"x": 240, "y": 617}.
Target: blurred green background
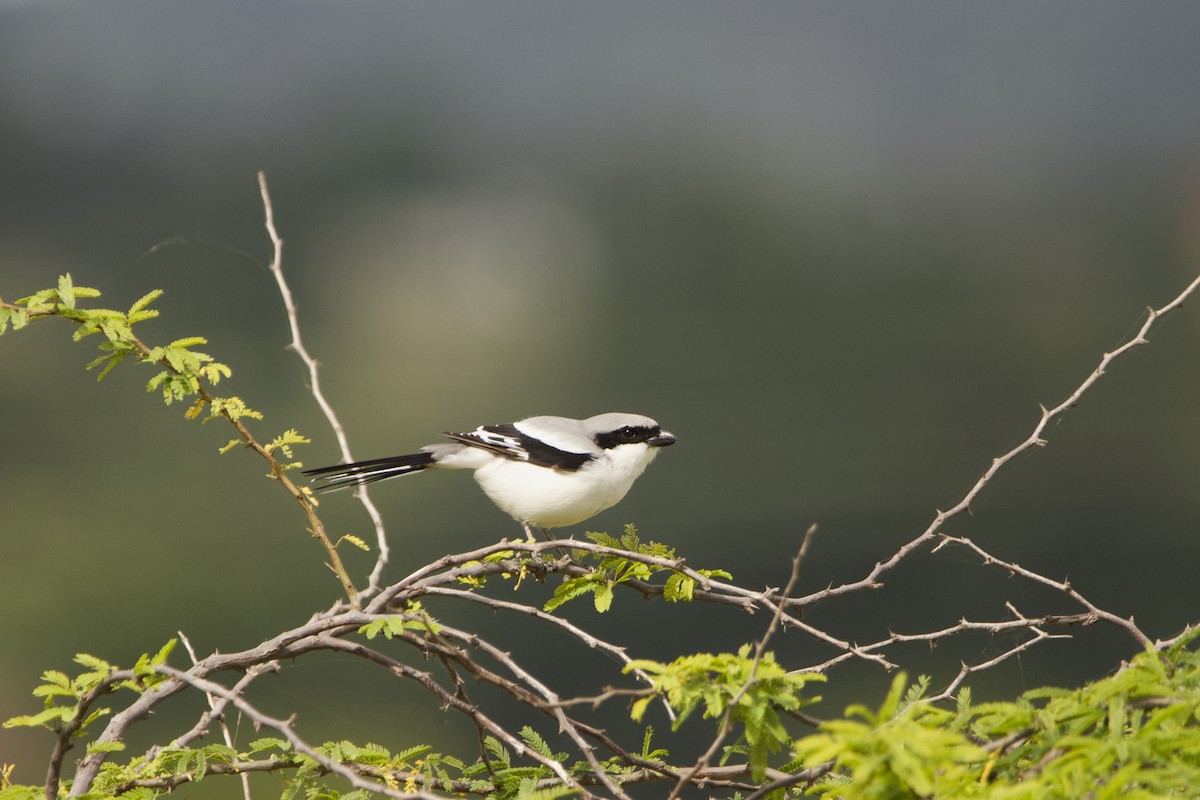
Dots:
{"x": 841, "y": 250}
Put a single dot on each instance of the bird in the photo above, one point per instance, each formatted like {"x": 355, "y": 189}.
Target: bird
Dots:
{"x": 545, "y": 472}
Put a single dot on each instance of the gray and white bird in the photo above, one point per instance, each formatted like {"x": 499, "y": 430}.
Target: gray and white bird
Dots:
{"x": 545, "y": 472}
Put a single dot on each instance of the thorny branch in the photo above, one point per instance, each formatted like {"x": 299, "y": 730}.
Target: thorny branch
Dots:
{"x": 216, "y": 705}
{"x": 284, "y": 727}
{"x": 760, "y": 649}
{"x": 67, "y": 731}
{"x": 874, "y": 579}
{"x": 468, "y": 655}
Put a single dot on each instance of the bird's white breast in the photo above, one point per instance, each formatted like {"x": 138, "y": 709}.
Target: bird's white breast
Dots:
{"x": 551, "y": 498}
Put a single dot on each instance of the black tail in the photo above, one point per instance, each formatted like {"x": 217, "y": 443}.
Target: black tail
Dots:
{"x": 363, "y": 472}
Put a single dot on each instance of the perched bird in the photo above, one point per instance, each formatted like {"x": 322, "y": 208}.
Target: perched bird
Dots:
{"x": 546, "y": 472}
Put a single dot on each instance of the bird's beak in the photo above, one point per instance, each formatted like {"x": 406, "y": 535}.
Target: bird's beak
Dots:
{"x": 662, "y": 440}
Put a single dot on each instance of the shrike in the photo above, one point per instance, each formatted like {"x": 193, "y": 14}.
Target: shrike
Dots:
{"x": 545, "y": 472}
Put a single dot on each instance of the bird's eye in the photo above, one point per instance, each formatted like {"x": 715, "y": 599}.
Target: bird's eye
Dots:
{"x": 628, "y": 433}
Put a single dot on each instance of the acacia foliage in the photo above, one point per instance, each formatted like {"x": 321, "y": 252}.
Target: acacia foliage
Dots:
{"x": 1134, "y": 734}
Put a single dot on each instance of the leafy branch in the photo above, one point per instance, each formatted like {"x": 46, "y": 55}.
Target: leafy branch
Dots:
{"x": 1133, "y": 734}
{"x": 186, "y": 374}
{"x": 616, "y": 564}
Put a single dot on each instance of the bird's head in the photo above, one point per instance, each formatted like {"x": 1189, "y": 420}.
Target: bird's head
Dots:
{"x": 617, "y": 430}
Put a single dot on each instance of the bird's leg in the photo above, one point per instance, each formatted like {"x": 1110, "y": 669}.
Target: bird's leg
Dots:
{"x": 545, "y": 532}
{"x": 550, "y": 537}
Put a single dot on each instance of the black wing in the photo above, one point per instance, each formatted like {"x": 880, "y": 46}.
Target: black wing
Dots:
{"x": 507, "y": 441}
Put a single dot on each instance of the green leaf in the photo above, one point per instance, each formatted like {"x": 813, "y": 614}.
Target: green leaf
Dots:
{"x": 146, "y": 666}
{"x": 679, "y": 587}
{"x": 231, "y": 407}
{"x": 145, "y": 300}
{"x": 58, "y": 714}
{"x": 716, "y": 573}
{"x": 269, "y": 743}
{"x": 569, "y": 590}
{"x": 95, "y": 715}
{"x": 157, "y": 380}
{"x": 396, "y": 624}
{"x": 93, "y": 663}
{"x": 408, "y": 754}
{"x": 603, "y": 597}
{"x": 99, "y": 669}
{"x": 354, "y": 540}
{"x": 284, "y": 441}
{"x": 66, "y": 292}
{"x": 535, "y": 741}
{"x": 376, "y": 627}
{"x": 214, "y": 372}
{"x": 498, "y": 751}
{"x": 109, "y": 361}
{"x": 56, "y": 678}
{"x": 20, "y": 792}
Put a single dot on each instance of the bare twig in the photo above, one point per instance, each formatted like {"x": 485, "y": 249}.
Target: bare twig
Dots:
{"x": 591, "y": 641}
{"x": 1063, "y": 586}
{"x": 963, "y": 626}
{"x": 804, "y": 776}
{"x": 874, "y": 578}
{"x": 1163, "y": 644}
{"x": 550, "y": 702}
{"x": 216, "y": 706}
{"x": 314, "y": 386}
{"x": 947, "y": 693}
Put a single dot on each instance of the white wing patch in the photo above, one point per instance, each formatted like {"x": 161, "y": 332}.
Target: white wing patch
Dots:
{"x": 497, "y": 442}
{"x": 509, "y": 441}
{"x": 509, "y": 444}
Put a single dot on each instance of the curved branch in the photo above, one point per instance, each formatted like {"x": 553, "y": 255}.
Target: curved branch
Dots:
{"x": 874, "y": 578}
{"x": 314, "y": 386}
